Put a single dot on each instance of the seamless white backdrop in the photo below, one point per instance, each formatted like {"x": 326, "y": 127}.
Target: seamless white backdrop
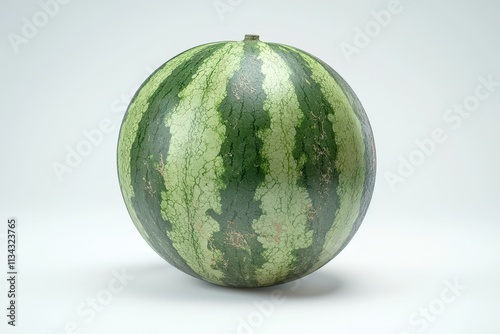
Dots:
{"x": 71, "y": 67}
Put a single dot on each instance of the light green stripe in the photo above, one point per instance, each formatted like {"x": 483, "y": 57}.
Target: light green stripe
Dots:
{"x": 282, "y": 227}
{"x": 193, "y": 166}
{"x": 350, "y": 160}
{"x": 135, "y": 112}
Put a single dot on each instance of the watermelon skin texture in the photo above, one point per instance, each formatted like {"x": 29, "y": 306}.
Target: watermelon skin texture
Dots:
{"x": 246, "y": 164}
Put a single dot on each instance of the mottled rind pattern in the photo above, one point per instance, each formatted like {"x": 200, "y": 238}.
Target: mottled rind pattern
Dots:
{"x": 246, "y": 164}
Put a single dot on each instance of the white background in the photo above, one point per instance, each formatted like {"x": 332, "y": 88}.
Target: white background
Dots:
{"x": 438, "y": 225}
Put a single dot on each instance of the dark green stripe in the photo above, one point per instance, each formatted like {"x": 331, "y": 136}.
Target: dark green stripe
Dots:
{"x": 370, "y": 154}
{"x": 149, "y": 152}
{"x": 243, "y": 116}
{"x": 316, "y": 140}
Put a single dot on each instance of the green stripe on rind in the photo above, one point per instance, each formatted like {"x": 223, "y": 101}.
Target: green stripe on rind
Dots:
{"x": 350, "y": 160}
{"x": 315, "y": 139}
{"x": 139, "y": 105}
{"x": 148, "y": 151}
{"x": 244, "y": 116}
{"x": 283, "y": 225}
{"x": 369, "y": 145}
{"x": 193, "y": 168}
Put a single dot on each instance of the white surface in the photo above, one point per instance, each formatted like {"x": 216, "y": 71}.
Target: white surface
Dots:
{"x": 438, "y": 227}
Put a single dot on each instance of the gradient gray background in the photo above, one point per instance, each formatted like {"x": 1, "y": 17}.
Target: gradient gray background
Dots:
{"x": 440, "y": 225}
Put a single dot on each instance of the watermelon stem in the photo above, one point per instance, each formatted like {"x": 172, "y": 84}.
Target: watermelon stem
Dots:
{"x": 251, "y": 38}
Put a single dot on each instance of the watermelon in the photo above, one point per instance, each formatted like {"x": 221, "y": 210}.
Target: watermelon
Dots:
{"x": 246, "y": 164}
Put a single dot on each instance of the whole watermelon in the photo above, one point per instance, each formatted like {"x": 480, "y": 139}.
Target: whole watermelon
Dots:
{"x": 246, "y": 164}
